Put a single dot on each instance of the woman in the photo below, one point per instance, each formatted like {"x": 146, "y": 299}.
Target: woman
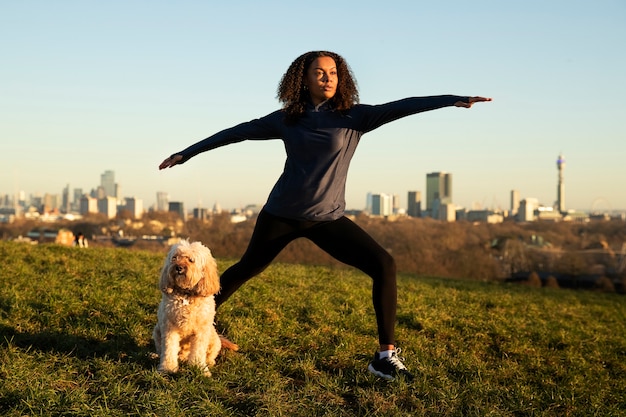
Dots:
{"x": 321, "y": 124}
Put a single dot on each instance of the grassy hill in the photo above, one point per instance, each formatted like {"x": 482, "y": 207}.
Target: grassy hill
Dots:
{"x": 75, "y": 339}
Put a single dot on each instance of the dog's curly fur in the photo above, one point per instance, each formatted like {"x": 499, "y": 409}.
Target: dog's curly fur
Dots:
{"x": 185, "y": 329}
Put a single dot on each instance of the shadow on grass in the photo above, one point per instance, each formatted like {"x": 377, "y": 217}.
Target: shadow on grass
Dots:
{"x": 409, "y": 321}
{"x": 115, "y": 346}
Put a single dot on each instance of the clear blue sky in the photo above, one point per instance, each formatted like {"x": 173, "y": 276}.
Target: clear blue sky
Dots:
{"x": 91, "y": 86}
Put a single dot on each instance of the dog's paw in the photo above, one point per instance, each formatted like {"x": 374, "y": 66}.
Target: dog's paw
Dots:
{"x": 165, "y": 369}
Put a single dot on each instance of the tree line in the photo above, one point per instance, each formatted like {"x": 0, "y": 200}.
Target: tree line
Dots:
{"x": 420, "y": 246}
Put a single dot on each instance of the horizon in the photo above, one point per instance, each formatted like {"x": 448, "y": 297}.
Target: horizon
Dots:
{"x": 147, "y": 204}
{"x": 120, "y": 86}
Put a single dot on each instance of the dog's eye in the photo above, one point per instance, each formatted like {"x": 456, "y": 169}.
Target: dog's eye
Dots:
{"x": 191, "y": 260}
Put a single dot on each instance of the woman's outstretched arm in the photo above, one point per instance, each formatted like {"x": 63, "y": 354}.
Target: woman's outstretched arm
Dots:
{"x": 471, "y": 101}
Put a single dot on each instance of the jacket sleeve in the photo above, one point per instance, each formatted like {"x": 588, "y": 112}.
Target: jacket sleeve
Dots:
{"x": 372, "y": 117}
{"x": 267, "y": 127}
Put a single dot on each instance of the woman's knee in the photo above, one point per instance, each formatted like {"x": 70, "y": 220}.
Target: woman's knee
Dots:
{"x": 382, "y": 266}
{"x": 388, "y": 265}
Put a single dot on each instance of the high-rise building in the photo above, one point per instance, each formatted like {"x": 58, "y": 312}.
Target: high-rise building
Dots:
{"x": 560, "y": 201}
{"x": 65, "y": 200}
{"x": 77, "y": 195}
{"x": 108, "y": 206}
{"x": 395, "y": 204}
{"x": 368, "y": 202}
{"x": 200, "y": 213}
{"x": 50, "y": 202}
{"x": 382, "y": 205}
{"x": 514, "y": 202}
{"x": 107, "y": 182}
{"x": 88, "y": 205}
{"x": 163, "y": 200}
{"x": 135, "y": 206}
{"x": 438, "y": 191}
{"x": 414, "y": 208}
{"x": 178, "y": 207}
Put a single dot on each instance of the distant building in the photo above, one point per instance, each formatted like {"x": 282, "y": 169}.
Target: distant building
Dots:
{"x": 50, "y": 202}
{"x": 178, "y": 207}
{"x": 107, "y": 182}
{"x": 163, "y": 200}
{"x": 446, "y": 213}
{"x": 36, "y": 201}
{"x": 135, "y": 206}
{"x": 76, "y": 196}
{"x": 414, "y": 207}
{"x": 527, "y": 209}
{"x": 252, "y": 210}
{"x": 549, "y": 216}
{"x": 381, "y": 205}
{"x": 237, "y": 218}
{"x": 514, "y": 202}
{"x": 488, "y": 216}
{"x": 395, "y": 203}
{"x": 88, "y": 205}
{"x": 560, "y": 201}
{"x": 108, "y": 206}
{"x": 65, "y": 200}
{"x": 368, "y": 202}
{"x": 201, "y": 213}
{"x": 438, "y": 191}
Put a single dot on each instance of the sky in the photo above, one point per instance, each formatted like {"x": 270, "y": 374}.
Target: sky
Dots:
{"x": 90, "y": 86}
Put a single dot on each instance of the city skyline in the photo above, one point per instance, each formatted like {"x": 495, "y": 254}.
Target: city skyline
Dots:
{"x": 144, "y": 80}
{"x": 438, "y": 190}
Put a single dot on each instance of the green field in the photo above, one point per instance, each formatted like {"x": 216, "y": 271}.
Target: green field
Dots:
{"x": 75, "y": 339}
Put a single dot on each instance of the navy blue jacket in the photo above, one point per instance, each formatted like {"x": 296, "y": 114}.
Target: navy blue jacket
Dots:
{"x": 319, "y": 148}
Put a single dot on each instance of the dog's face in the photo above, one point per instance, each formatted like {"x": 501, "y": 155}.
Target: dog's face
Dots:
{"x": 190, "y": 269}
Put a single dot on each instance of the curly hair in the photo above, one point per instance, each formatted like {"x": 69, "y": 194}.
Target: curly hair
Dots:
{"x": 294, "y": 95}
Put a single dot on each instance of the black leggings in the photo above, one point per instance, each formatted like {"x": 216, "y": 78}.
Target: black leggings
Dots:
{"x": 342, "y": 239}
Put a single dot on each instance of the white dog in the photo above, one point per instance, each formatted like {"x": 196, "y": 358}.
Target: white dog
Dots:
{"x": 185, "y": 329}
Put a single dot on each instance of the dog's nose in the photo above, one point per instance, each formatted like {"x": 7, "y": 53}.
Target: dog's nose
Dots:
{"x": 180, "y": 269}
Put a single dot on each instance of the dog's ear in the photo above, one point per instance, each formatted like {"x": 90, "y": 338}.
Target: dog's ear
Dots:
{"x": 210, "y": 282}
{"x": 164, "y": 282}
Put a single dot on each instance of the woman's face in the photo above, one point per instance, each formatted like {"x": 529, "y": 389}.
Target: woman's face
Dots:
{"x": 322, "y": 79}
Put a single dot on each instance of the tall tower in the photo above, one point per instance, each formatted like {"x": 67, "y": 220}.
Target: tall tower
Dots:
{"x": 107, "y": 182}
{"x": 514, "y": 202}
{"x": 438, "y": 191}
{"x": 560, "y": 201}
{"x": 163, "y": 200}
{"x": 414, "y": 208}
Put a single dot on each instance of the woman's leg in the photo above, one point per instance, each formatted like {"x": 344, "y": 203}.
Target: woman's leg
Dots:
{"x": 271, "y": 234}
{"x": 347, "y": 242}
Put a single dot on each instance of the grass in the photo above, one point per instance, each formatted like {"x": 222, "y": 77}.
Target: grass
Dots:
{"x": 75, "y": 340}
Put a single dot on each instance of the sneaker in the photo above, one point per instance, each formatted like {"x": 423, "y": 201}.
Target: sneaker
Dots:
{"x": 389, "y": 368}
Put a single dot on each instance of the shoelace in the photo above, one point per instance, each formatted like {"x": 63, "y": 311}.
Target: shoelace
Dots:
{"x": 396, "y": 360}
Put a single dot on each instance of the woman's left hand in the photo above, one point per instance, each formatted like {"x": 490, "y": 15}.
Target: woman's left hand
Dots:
{"x": 171, "y": 161}
{"x": 472, "y": 100}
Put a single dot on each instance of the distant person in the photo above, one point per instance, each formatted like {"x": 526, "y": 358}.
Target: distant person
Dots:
{"x": 80, "y": 240}
{"x": 321, "y": 124}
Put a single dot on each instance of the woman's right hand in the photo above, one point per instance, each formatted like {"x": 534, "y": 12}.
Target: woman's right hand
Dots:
{"x": 171, "y": 161}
